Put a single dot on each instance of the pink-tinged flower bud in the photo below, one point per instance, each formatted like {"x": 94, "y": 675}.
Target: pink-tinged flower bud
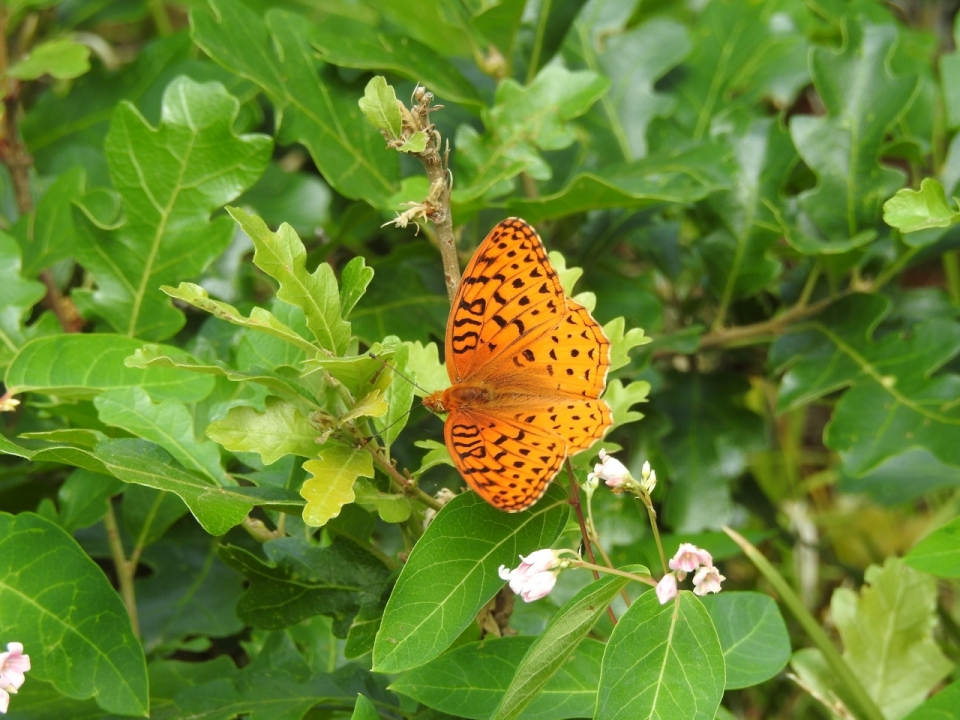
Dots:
{"x": 667, "y": 588}
{"x": 535, "y": 564}
{"x": 688, "y": 557}
{"x": 13, "y": 665}
{"x": 611, "y": 471}
{"x": 538, "y": 586}
{"x": 707, "y": 580}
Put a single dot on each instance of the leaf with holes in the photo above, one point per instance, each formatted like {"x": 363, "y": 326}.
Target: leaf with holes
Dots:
{"x": 896, "y": 401}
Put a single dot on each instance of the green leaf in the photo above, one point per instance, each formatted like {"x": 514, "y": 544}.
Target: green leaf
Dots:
{"x": 398, "y": 396}
{"x": 154, "y": 357}
{"x": 557, "y": 642}
{"x": 647, "y": 664}
{"x": 63, "y": 59}
{"x": 523, "y": 121}
{"x": 390, "y": 507}
{"x": 364, "y": 710}
{"x": 431, "y": 373}
{"x": 302, "y": 580}
{"x": 17, "y": 298}
{"x": 912, "y": 210}
{"x": 149, "y": 513}
{"x": 736, "y": 253}
{"x": 752, "y": 634}
{"x": 741, "y": 54}
{"x": 634, "y": 60}
{"x": 282, "y": 256}
{"x": 950, "y": 82}
{"x": 621, "y": 398}
{"x": 939, "y": 552}
{"x": 350, "y": 43}
{"x": 452, "y": 573}
{"x": 679, "y": 175}
{"x": 216, "y": 508}
{"x": 863, "y": 99}
{"x": 168, "y": 424}
{"x": 887, "y": 635}
{"x": 82, "y": 366}
{"x": 189, "y": 590}
{"x": 260, "y": 319}
{"x": 708, "y": 445}
{"x": 470, "y": 680}
{"x": 57, "y": 602}
{"x": 437, "y": 455}
{"x": 353, "y": 284}
{"x": 379, "y": 105}
{"x": 942, "y": 706}
{"x": 83, "y": 499}
{"x": 895, "y": 403}
{"x": 48, "y": 235}
{"x": 278, "y": 431}
{"x": 330, "y": 486}
{"x": 316, "y": 109}
{"x": 196, "y": 164}
{"x": 621, "y": 343}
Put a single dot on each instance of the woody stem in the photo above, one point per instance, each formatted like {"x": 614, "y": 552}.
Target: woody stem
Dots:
{"x": 575, "y": 501}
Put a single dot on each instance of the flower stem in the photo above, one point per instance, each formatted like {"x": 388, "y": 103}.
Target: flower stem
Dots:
{"x": 575, "y": 501}
{"x": 652, "y": 514}
{"x": 862, "y": 704}
{"x": 613, "y": 571}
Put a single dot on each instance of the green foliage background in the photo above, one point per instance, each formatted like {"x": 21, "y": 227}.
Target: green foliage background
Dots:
{"x": 196, "y": 255}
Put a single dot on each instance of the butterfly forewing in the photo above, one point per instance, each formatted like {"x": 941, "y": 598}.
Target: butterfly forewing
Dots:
{"x": 508, "y": 293}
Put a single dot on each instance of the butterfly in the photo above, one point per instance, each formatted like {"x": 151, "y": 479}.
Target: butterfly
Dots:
{"x": 527, "y": 366}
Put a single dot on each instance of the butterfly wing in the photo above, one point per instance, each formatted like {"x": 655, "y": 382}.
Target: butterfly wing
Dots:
{"x": 509, "y": 293}
{"x": 508, "y": 462}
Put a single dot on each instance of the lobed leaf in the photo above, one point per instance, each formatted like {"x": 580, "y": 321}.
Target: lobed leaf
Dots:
{"x": 196, "y": 164}
{"x": 316, "y": 109}
{"x": 331, "y": 485}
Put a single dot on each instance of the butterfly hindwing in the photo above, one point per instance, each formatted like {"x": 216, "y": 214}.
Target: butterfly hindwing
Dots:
{"x": 508, "y": 293}
{"x": 507, "y": 462}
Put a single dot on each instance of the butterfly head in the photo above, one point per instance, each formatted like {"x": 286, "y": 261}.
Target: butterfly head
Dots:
{"x": 434, "y": 402}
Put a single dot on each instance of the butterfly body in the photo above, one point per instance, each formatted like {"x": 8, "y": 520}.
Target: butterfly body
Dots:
{"x": 527, "y": 366}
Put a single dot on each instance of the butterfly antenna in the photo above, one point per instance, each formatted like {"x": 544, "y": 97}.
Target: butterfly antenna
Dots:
{"x": 405, "y": 377}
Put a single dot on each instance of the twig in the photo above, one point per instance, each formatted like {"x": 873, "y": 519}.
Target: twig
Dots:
{"x": 405, "y": 485}
{"x": 125, "y": 569}
{"x": 652, "y": 514}
{"x": 437, "y": 167}
{"x": 574, "y": 500}
{"x": 746, "y": 334}
{"x": 14, "y": 155}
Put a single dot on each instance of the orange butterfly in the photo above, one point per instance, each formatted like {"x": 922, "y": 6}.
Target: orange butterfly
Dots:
{"x": 527, "y": 366}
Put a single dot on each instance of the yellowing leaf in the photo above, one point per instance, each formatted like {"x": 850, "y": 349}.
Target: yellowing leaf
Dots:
{"x": 331, "y": 484}
{"x": 280, "y": 430}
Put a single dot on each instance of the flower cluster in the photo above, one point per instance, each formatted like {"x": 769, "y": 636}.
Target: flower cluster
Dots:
{"x": 690, "y": 559}
{"x": 536, "y": 576}
{"x": 13, "y": 665}
{"x": 615, "y": 474}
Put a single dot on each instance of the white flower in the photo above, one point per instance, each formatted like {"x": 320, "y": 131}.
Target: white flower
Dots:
{"x": 8, "y": 404}
{"x": 536, "y": 575}
{"x": 443, "y": 496}
{"x": 648, "y": 478}
{"x": 538, "y": 586}
{"x": 707, "y": 580}
{"x": 611, "y": 471}
{"x": 667, "y": 588}
{"x": 13, "y": 665}
{"x": 687, "y": 558}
